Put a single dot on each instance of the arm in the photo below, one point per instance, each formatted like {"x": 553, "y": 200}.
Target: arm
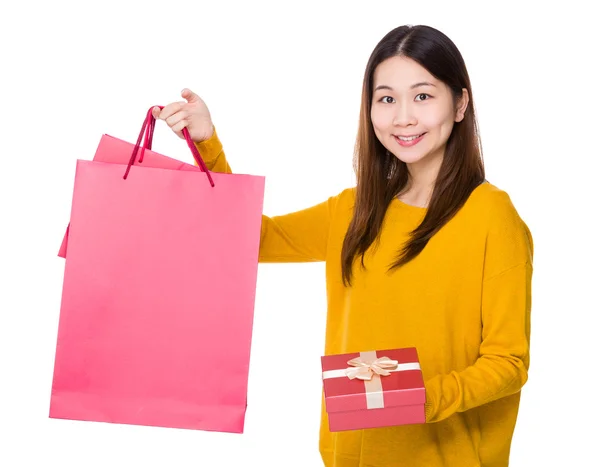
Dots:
{"x": 300, "y": 236}
{"x": 503, "y": 363}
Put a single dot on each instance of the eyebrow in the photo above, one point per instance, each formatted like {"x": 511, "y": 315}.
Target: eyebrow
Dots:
{"x": 416, "y": 85}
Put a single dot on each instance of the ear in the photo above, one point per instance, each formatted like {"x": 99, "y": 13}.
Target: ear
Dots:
{"x": 462, "y": 104}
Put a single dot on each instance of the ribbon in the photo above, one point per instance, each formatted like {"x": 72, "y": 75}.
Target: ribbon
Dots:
{"x": 368, "y": 368}
{"x": 364, "y": 370}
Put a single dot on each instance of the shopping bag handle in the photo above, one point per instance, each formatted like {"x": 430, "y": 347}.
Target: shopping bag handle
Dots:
{"x": 147, "y": 132}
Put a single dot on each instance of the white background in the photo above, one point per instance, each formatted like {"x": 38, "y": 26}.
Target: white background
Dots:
{"x": 283, "y": 83}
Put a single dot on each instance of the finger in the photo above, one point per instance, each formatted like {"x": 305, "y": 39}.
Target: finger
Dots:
{"x": 179, "y": 126}
{"x": 156, "y": 112}
{"x": 176, "y": 118}
{"x": 189, "y": 96}
{"x": 171, "y": 109}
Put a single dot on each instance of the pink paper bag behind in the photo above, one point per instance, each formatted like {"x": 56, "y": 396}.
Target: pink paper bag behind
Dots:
{"x": 158, "y": 298}
{"x": 117, "y": 151}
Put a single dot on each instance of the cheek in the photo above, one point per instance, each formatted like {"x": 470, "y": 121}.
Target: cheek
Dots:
{"x": 379, "y": 120}
{"x": 441, "y": 124}
{"x": 447, "y": 126}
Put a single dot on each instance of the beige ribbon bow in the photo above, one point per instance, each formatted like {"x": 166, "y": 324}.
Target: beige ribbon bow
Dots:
{"x": 363, "y": 370}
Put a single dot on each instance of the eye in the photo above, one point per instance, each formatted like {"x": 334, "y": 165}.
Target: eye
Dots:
{"x": 385, "y": 101}
{"x": 425, "y": 96}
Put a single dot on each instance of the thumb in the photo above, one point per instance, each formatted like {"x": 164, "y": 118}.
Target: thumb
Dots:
{"x": 189, "y": 96}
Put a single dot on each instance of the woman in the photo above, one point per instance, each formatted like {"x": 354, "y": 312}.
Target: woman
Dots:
{"x": 423, "y": 252}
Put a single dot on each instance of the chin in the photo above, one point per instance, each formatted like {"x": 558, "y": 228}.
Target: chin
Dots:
{"x": 408, "y": 158}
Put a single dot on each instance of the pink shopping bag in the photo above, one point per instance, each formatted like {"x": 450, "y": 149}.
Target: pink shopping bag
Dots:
{"x": 158, "y": 297}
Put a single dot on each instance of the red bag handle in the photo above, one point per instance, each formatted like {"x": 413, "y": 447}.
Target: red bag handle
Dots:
{"x": 147, "y": 132}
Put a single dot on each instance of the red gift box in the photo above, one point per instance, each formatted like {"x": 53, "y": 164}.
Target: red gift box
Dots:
{"x": 373, "y": 389}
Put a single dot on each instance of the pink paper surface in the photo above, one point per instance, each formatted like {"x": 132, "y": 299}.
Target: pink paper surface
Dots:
{"x": 158, "y": 297}
{"x": 117, "y": 151}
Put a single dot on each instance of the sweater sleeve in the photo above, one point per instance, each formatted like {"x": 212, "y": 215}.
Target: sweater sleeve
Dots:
{"x": 503, "y": 363}
{"x": 300, "y": 236}
{"x": 211, "y": 151}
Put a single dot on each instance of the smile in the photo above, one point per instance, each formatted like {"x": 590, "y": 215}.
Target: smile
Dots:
{"x": 409, "y": 138}
{"x": 406, "y": 141}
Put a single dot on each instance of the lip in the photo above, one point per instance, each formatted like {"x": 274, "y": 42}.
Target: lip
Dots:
{"x": 407, "y": 144}
{"x": 410, "y": 136}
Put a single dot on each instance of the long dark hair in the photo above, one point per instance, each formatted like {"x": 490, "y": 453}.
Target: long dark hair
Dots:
{"x": 381, "y": 176}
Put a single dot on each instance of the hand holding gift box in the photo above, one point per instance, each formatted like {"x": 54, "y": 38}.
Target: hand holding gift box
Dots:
{"x": 373, "y": 389}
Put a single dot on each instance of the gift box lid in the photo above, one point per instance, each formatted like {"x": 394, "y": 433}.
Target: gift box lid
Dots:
{"x": 403, "y": 386}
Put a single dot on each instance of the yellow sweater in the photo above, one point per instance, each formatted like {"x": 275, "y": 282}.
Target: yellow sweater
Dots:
{"x": 464, "y": 303}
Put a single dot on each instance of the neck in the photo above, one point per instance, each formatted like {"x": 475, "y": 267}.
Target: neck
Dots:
{"x": 421, "y": 182}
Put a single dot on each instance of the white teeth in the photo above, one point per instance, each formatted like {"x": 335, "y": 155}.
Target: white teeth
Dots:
{"x": 407, "y": 139}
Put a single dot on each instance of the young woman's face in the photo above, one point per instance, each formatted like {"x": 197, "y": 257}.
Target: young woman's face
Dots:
{"x": 412, "y": 112}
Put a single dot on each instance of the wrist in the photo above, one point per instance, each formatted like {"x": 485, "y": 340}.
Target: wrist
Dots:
{"x": 205, "y": 137}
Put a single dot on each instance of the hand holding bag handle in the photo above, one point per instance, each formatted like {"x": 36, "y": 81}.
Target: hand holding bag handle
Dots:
{"x": 147, "y": 132}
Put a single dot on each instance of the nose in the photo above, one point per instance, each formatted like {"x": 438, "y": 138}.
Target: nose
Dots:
{"x": 404, "y": 115}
